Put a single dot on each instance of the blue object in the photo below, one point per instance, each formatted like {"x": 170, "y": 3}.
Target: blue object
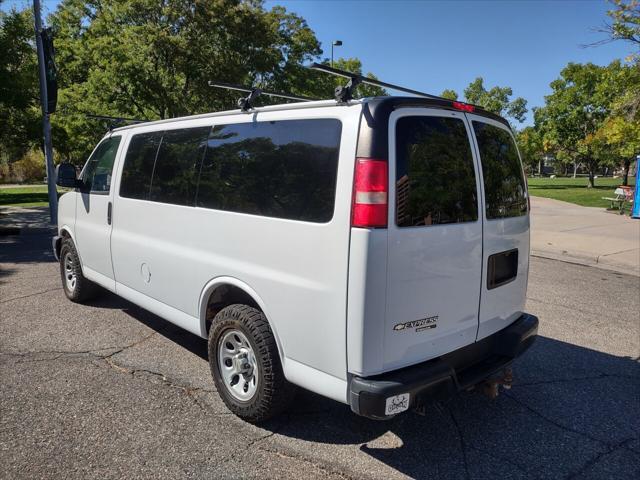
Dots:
{"x": 635, "y": 213}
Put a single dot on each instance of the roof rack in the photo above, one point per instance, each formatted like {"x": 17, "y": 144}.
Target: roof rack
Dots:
{"x": 345, "y": 93}
{"x": 115, "y": 121}
{"x": 246, "y": 103}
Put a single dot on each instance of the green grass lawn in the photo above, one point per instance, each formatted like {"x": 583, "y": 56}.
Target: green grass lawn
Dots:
{"x": 27, "y": 196}
{"x": 575, "y": 190}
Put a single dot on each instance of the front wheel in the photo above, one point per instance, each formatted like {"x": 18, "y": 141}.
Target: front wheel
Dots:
{"x": 245, "y": 364}
{"x": 76, "y": 287}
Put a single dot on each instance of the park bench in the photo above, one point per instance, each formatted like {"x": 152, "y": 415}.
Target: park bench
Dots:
{"x": 623, "y": 195}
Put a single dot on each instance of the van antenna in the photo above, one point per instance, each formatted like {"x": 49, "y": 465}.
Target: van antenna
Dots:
{"x": 345, "y": 93}
{"x": 246, "y": 103}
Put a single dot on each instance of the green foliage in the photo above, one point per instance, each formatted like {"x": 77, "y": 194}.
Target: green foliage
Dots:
{"x": 19, "y": 110}
{"x": 30, "y": 167}
{"x": 582, "y": 100}
{"x": 625, "y": 25}
{"x": 496, "y": 100}
{"x": 153, "y": 59}
{"x": 323, "y": 85}
{"x": 450, "y": 94}
{"x": 531, "y": 147}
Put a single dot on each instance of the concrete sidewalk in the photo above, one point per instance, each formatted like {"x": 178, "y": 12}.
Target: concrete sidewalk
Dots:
{"x": 585, "y": 235}
{"x": 24, "y": 220}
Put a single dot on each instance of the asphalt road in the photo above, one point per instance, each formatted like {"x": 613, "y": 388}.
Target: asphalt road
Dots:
{"x": 111, "y": 391}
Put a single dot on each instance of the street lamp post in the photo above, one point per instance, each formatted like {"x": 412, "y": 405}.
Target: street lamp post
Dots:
{"x": 335, "y": 43}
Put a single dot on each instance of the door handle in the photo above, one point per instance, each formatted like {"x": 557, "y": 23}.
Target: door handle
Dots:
{"x": 109, "y": 208}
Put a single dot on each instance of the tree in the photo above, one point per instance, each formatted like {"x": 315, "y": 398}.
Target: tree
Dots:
{"x": 496, "y": 100}
{"x": 19, "y": 114}
{"x": 581, "y": 100}
{"x": 153, "y": 59}
{"x": 624, "y": 25}
{"x": 450, "y": 94}
{"x": 531, "y": 147}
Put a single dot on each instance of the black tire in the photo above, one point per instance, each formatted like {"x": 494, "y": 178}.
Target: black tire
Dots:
{"x": 83, "y": 289}
{"x": 273, "y": 393}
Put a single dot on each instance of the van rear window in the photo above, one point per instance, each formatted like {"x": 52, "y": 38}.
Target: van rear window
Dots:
{"x": 504, "y": 188}
{"x": 284, "y": 169}
{"x": 435, "y": 177}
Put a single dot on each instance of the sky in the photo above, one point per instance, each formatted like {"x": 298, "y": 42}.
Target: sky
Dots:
{"x": 436, "y": 45}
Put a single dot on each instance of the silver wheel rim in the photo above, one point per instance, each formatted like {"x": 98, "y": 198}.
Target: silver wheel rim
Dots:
{"x": 237, "y": 365}
{"x": 69, "y": 272}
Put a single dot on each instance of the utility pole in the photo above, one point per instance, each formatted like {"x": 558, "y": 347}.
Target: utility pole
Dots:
{"x": 335, "y": 43}
{"x": 46, "y": 124}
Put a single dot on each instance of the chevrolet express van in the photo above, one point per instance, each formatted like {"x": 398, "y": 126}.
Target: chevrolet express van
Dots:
{"x": 374, "y": 251}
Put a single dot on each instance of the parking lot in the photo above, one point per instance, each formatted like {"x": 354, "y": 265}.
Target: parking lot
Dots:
{"x": 111, "y": 391}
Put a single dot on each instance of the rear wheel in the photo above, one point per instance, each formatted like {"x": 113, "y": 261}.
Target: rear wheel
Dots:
{"x": 245, "y": 364}
{"x": 76, "y": 287}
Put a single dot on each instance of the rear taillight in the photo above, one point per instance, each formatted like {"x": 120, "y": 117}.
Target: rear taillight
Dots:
{"x": 370, "y": 193}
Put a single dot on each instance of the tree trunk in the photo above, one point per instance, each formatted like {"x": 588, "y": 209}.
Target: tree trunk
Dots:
{"x": 591, "y": 177}
{"x": 575, "y": 169}
{"x": 625, "y": 176}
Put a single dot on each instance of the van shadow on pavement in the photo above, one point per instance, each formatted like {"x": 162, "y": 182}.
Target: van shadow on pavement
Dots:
{"x": 568, "y": 406}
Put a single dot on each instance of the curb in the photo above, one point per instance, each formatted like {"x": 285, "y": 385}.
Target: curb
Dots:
{"x": 10, "y": 231}
{"x": 586, "y": 261}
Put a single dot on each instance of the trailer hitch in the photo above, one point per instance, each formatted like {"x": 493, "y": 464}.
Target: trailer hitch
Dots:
{"x": 491, "y": 386}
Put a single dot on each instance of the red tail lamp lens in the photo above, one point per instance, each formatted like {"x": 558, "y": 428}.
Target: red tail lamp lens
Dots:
{"x": 370, "y": 197}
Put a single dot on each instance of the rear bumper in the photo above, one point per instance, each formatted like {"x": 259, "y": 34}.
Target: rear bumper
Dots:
{"x": 446, "y": 375}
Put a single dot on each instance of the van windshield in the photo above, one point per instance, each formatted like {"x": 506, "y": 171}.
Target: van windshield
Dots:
{"x": 504, "y": 186}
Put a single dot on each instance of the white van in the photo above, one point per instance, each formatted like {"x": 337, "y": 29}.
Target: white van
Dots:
{"x": 375, "y": 252}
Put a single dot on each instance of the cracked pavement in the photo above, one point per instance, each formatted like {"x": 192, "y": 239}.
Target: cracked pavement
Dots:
{"x": 108, "y": 390}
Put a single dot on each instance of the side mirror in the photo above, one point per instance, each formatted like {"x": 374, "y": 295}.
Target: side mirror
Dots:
{"x": 66, "y": 176}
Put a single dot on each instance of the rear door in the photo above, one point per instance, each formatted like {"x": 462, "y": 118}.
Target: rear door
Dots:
{"x": 506, "y": 226}
{"x": 434, "y": 257}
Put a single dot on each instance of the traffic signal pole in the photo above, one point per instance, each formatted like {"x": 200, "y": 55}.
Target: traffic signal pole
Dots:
{"x": 46, "y": 124}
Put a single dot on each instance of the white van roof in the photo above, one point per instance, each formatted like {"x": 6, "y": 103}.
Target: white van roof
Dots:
{"x": 267, "y": 108}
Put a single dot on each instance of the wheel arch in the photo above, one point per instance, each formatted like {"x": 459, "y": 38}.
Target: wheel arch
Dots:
{"x": 65, "y": 232}
{"x": 216, "y": 287}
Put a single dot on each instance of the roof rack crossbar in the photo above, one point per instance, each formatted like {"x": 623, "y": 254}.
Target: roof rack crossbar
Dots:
{"x": 246, "y": 103}
{"x": 115, "y": 121}
{"x": 355, "y": 79}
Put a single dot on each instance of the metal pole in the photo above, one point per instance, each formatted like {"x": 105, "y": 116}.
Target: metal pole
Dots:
{"x": 331, "y": 54}
{"x": 46, "y": 125}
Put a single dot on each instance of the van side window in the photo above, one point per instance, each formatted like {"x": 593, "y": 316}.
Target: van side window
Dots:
{"x": 96, "y": 175}
{"x": 284, "y": 169}
{"x": 435, "y": 177}
{"x": 177, "y": 165}
{"x": 504, "y": 188}
{"x": 138, "y": 165}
